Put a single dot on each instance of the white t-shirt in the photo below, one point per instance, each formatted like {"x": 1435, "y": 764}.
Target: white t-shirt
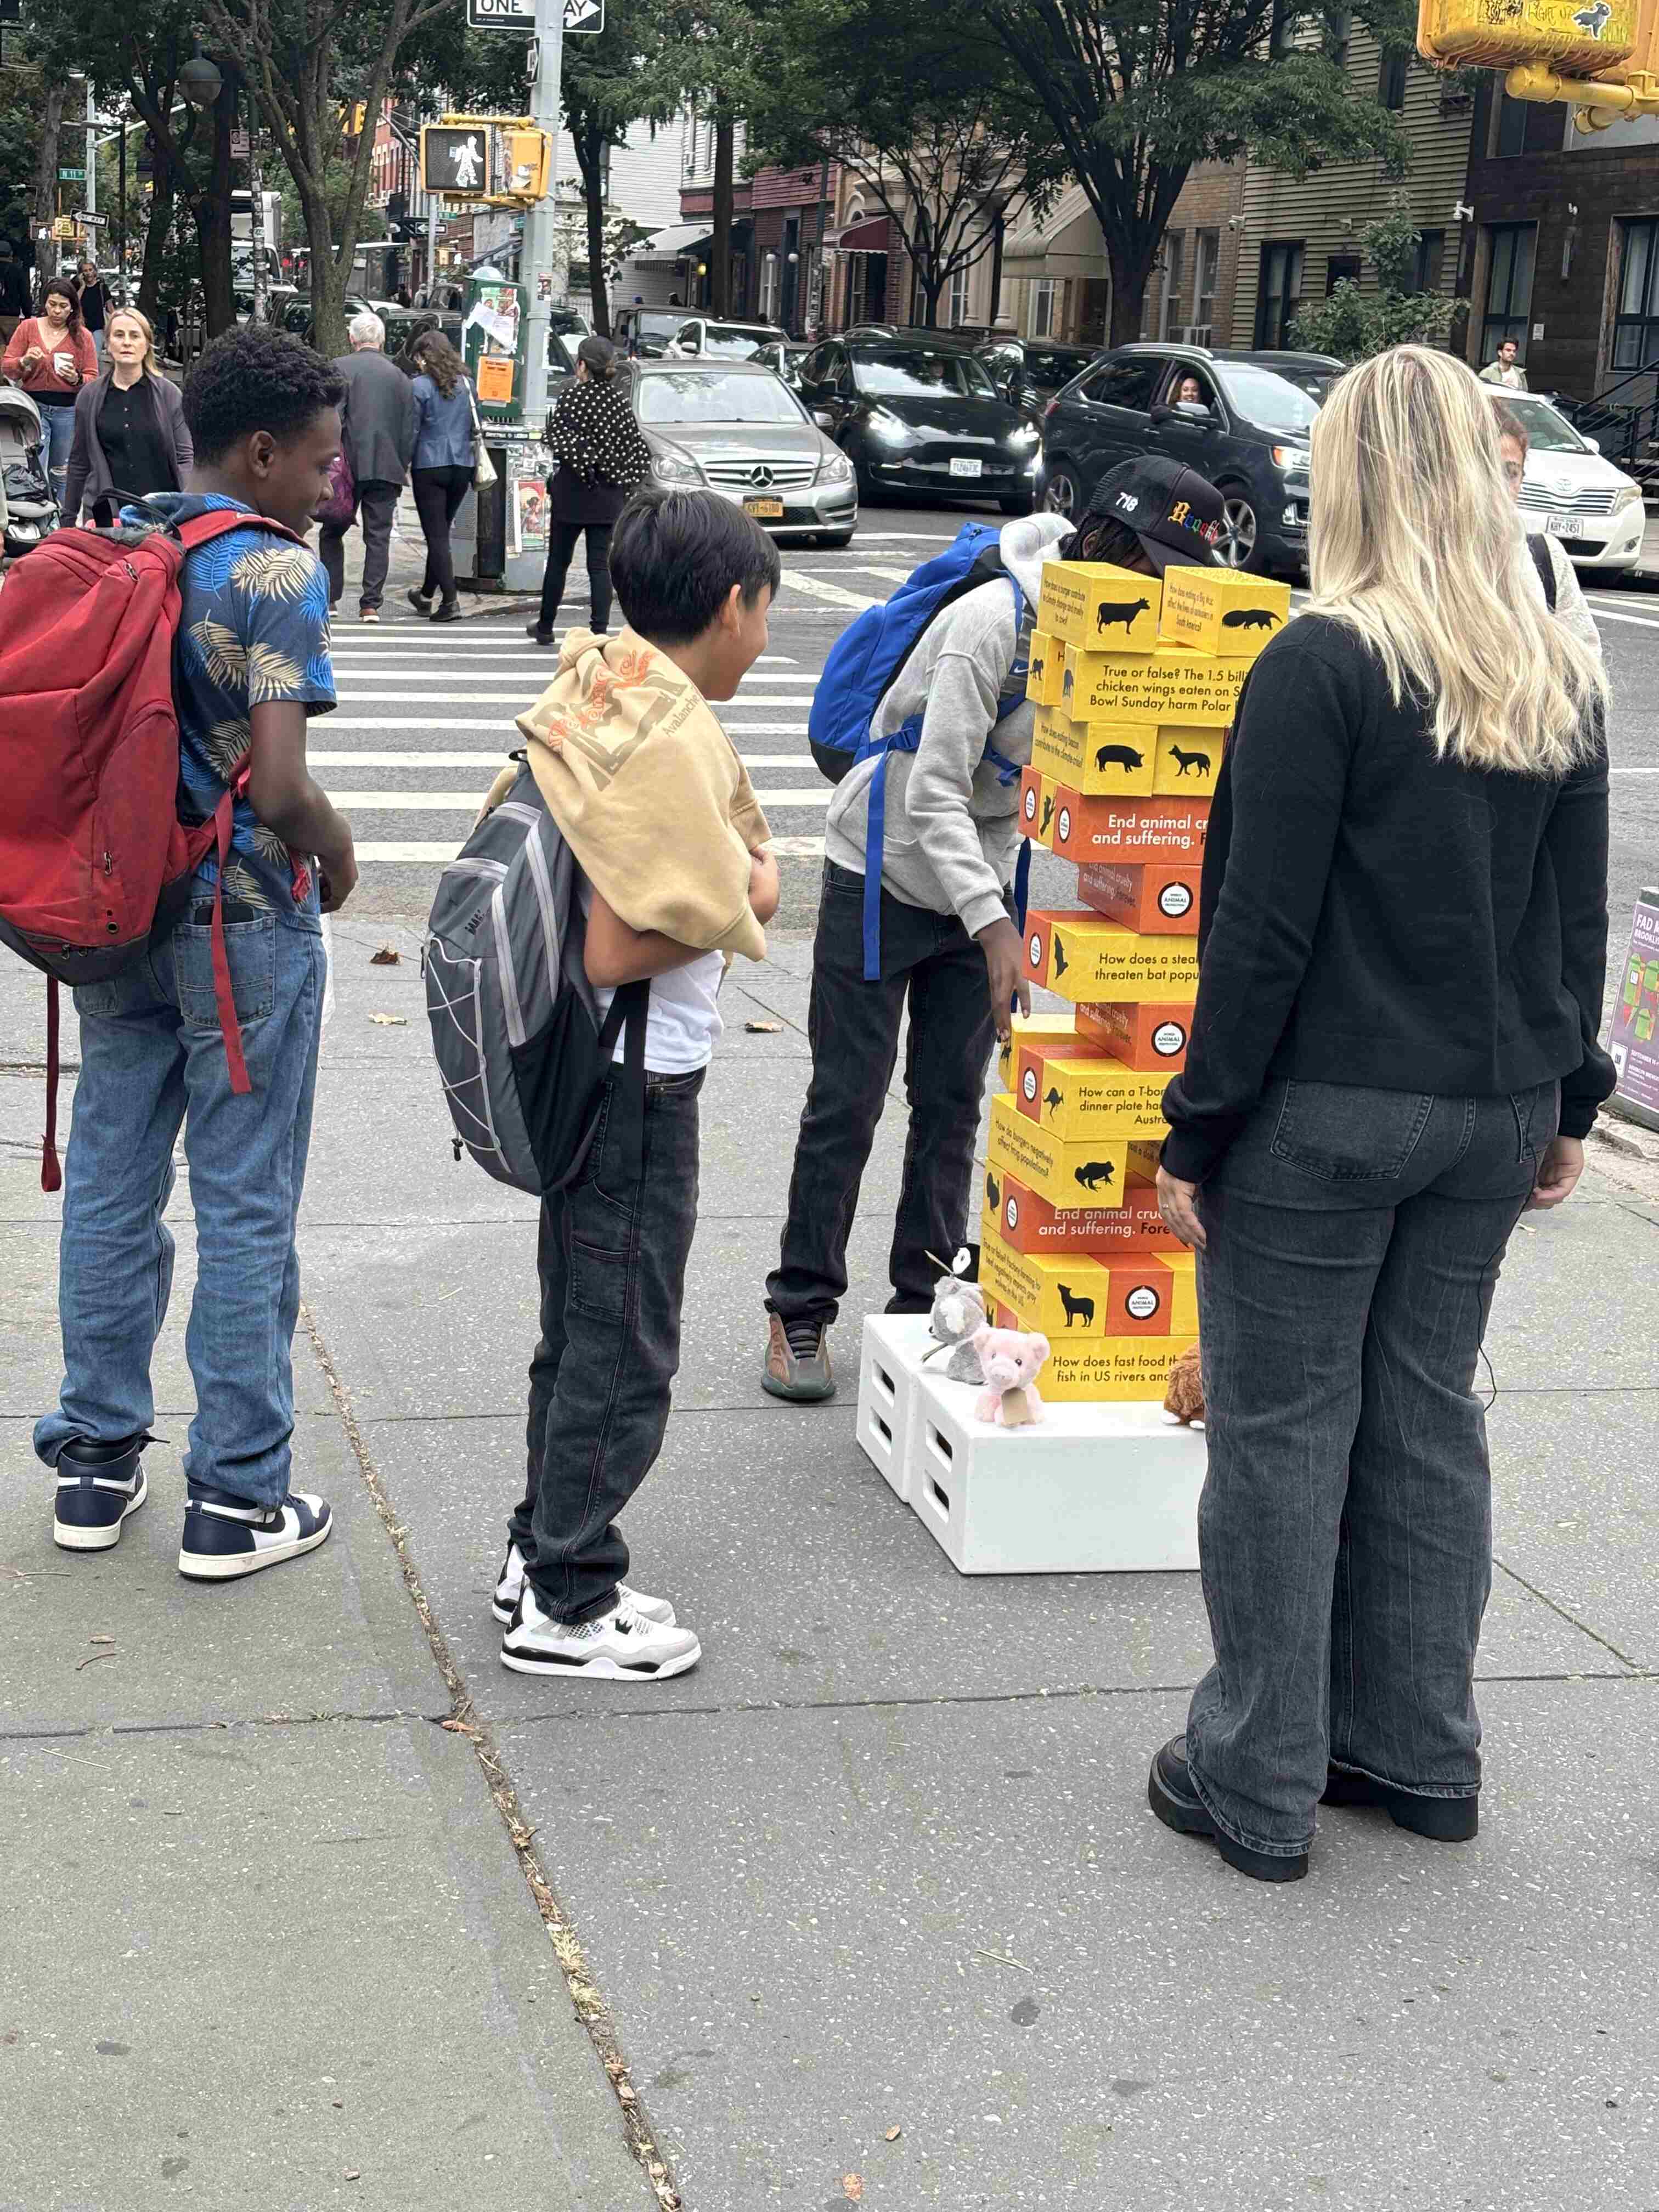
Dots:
{"x": 684, "y": 1023}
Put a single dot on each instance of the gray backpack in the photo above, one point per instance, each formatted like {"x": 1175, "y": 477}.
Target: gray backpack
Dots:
{"x": 521, "y": 1049}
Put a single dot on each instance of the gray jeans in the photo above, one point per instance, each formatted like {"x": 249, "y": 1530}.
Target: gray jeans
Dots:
{"x": 1345, "y": 1529}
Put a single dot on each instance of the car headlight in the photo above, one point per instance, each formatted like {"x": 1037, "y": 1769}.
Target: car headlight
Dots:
{"x": 675, "y": 469}
{"x": 1630, "y": 496}
{"x": 835, "y": 468}
{"x": 1292, "y": 459}
{"x": 888, "y": 428}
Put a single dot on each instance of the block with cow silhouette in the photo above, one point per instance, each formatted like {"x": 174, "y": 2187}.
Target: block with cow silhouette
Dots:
{"x": 1045, "y": 669}
{"x": 1082, "y": 956}
{"x": 1223, "y": 611}
{"x": 1089, "y": 828}
{"x": 1157, "y": 897}
{"x": 1098, "y": 606}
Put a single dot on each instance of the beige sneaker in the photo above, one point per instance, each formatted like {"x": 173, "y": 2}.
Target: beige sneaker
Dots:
{"x": 798, "y": 1360}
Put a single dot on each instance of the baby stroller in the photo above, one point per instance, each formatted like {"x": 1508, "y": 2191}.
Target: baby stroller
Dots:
{"x": 28, "y": 509}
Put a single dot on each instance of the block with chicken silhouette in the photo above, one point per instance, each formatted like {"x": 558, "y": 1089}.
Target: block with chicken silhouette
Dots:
{"x": 1157, "y": 897}
{"x": 1084, "y": 957}
{"x": 1147, "y": 1037}
{"x": 1087, "y": 829}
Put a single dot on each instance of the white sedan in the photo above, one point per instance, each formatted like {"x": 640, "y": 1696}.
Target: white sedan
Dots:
{"x": 1570, "y": 493}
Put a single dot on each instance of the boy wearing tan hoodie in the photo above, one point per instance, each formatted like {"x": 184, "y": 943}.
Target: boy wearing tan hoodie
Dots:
{"x": 654, "y": 801}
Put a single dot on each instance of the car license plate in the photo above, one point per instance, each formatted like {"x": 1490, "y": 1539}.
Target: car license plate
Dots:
{"x": 1564, "y": 525}
{"x": 964, "y": 468}
{"x": 764, "y": 510}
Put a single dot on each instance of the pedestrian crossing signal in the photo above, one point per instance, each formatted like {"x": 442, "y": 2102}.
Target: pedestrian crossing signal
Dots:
{"x": 455, "y": 158}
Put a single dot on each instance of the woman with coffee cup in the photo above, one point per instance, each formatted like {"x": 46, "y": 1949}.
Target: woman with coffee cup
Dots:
{"x": 50, "y": 356}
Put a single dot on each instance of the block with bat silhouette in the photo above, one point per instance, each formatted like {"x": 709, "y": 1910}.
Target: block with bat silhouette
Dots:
{"x": 1095, "y": 604}
{"x": 1158, "y": 897}
{"x": 1078, "y": 1096}
{"x": 1166, "y": 685}
{"x": 1026, "y": 1026}
{"x": 1149, "y": 1036}
{"x": 1037, "y": 806}
{"x": 1116, "y": 760}
{"x": 1224, "y": 612}
{"x": 1086, "y": 959}
{"x": 1027, "y": 1222}
{"x": 1094, "y": 829}
{"x": 1045, "y": 669}
{"x": 1065, "y": 1175}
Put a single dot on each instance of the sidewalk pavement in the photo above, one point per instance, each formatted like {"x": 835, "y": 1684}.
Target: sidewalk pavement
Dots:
{"x": 869, "y": 1908}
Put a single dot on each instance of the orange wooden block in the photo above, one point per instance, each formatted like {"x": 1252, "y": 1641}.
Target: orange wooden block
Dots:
{"x": 1137, "y": 829}
{"x": 1160, "y": 897}
{"x": 1037, "y": 806}
{"x": 1140, "y": 1036}
{"x": 1031, "y": 1225}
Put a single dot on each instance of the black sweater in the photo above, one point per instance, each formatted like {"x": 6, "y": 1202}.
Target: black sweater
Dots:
{"x": 1371, "y": 914}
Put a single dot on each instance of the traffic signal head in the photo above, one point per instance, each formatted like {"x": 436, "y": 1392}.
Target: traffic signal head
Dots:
{"x": 1581, "y": 38}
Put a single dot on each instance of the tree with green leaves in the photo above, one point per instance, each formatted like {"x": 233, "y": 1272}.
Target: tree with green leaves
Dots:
{"x": 1138, "y": 91}
{"x": 1354, "y": 324}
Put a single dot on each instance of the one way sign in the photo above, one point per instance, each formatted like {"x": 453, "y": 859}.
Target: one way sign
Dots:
{"x": 580, "y": 16}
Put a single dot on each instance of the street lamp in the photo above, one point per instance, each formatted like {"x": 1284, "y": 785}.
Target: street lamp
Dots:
{"x": 200, "y": 82}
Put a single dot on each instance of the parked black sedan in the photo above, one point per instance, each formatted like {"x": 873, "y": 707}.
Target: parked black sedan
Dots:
{"x": 915, "y": 416}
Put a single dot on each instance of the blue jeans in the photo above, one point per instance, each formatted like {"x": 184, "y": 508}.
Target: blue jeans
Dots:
{"x": 58, "y": 424}
{"x": 151, "y": 1055}
{"x": 1344, "y": 1528}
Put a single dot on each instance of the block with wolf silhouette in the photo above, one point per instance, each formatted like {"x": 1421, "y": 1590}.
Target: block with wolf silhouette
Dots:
{"x": 1096, "y": 604}
{"x": 1168, "y": 685}
{"x": 1140, "y": 1035}
{"x": 1068, "y": 1176}
{"x": 1079, "y": 1095}
{"x": 1185, "y": 760}
{"x": 1223, "y": 611}
{"x": 1045, "y": 670}
{"x": 1084, "y": 957}
{"x": 1026, "y": 1026}
{"x": 1159, "y": 896}
{"x": 1072, "y": 1294}
{"x": 1037, "y": 806}
{"x": 1088, "y": 828}
{"x": 1133, "y": 1227}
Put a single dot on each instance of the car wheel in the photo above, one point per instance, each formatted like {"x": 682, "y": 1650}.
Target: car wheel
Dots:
{"x": 1019, "y": 504}
{"x": 1240, "y": 546}
{"x": 1062, "y": 495}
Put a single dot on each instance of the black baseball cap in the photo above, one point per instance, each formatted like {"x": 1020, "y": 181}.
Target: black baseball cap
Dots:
{"x": 1177, "y": 514}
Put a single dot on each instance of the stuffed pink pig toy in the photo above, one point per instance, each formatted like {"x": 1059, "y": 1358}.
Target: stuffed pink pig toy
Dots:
{"x": 1009, "y": 1361}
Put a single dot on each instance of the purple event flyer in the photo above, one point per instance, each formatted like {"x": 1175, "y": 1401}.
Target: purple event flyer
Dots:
{"x": 1633, "y": 1040}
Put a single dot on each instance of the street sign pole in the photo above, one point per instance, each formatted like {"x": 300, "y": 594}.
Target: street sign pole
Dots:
{"x": 544, "y": 256}
{"x": 91, "y": 201}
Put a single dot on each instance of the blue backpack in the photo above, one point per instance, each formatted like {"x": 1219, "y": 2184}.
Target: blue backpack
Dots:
{"x": 865, "y": 663}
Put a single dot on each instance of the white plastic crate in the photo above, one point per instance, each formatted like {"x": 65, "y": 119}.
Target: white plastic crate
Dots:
{"x": 889, "y": 1387}
{"x": 1092, "y": 1489}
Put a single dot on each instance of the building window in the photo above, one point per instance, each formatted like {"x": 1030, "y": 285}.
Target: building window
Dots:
{"x": 1509, "y": 286}
{"x": 1168, "y": 303}
{"x": 1279, "y": 294}
{"x": 1391, "y": 81}
{"x": 1636, "y": 326}
{"x": 1333, "y": 36}
{"x": 957, "y": 313}
{"x": 1341, "y": 268}
{"x": 1430, "y": 259}
{"x": 1281, "y": 29}
{"x": 1044, "y": 317}
{"x": 1525, "y": 127}
{"x": 1206, "y": 261}
{"x": 769, "y": 288}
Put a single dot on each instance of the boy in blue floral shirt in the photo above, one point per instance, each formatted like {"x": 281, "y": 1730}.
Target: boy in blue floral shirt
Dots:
{"x": 252, "y": 664}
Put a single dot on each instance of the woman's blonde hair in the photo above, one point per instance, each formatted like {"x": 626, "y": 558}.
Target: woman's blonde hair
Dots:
{"x": 132, "y": 315}
{"x": 1412, "y": 543}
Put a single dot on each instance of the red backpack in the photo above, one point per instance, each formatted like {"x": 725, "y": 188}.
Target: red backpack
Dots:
{"x": 94, "y": 864}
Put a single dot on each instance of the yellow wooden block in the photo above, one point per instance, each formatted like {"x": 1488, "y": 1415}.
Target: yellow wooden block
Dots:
{"x": 1087, "y": 959}
{"x": 1110, "y": 761}
{"x": 1168, "y": 685}
{"x": 1067, "y": 1175}
{"x": 1027, "y": 1028}
{"x": 1104, "y": 1368}
{"x": 1080, "y": 1100}
{"x": 1046, "y": 669}
{"x": 1069, "y": 1296}
{"x": 1222, "y": 611}
{"x": 1095, "y": 604}
{"x": 1186, "y": 761}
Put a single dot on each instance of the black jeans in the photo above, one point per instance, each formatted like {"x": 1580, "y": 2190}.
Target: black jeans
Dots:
{"x": 377, "y": 503}
{"x": 439, "y": 495}
{"x": 561, "y": 545}
{"x": 1344, "y": 1528}
{"x": 612, "y": 1257}
{"x": 854, "y": 1028}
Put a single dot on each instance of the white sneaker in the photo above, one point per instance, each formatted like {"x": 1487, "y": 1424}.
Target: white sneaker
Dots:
{"x": 619, "y": 1646}
{"x": 225, "y": 1537}
{"x": 509, "y": 1588}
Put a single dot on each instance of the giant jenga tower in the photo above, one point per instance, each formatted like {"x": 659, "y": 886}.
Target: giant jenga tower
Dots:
{"x": 1136, "y": 681}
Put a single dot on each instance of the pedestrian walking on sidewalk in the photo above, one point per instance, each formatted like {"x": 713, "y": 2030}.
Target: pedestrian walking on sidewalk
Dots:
{"x": 445, "y": 452}
{"x": 50, "y": 356}
{"x": 14, "y": 291}
{"x": 251, "y": 664}
{"x": 130, "y": 435}
{"x": 1402, "y": 938}
{"x": 602, "y": 456}
{"x": 95, "y": 306}
{"x": 378, "y": 427}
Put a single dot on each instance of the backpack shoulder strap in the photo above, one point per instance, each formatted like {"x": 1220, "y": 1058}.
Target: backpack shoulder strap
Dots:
{"x": 1540, "y": 550}
{"x": 203, "y": 528}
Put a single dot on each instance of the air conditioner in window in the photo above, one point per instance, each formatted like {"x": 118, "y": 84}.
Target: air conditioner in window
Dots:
{"x": 1197, "y": 334}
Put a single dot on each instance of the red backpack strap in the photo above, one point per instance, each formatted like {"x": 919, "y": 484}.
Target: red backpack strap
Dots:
{"x": 220, "y": 521}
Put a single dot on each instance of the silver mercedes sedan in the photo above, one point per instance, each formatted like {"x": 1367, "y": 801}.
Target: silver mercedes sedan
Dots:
{"x": 738, "y": 430}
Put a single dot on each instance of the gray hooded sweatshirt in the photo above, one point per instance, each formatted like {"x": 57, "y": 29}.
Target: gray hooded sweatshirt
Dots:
{"x": 952, "y": 825}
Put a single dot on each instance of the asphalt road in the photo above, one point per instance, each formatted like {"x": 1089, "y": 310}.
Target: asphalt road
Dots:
{"x": 425, "y": 718}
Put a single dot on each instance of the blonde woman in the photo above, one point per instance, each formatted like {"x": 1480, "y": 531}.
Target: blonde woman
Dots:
{"x": 130, "y": 431}
{"x": 1403, "y": 932}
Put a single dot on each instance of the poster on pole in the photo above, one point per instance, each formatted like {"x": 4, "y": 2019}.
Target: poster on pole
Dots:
{"x": 494, "y": 328}
{"x": 581, "y": 16}
{"x": 1633, "y": 1040}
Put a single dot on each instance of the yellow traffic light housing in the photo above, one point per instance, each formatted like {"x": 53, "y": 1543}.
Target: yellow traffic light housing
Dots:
{"x": 1597, "y": 55}
{"x": 527, "y": 157}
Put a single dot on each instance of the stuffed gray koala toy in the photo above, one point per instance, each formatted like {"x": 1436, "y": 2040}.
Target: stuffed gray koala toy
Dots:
{"x": 959, "y": 1315}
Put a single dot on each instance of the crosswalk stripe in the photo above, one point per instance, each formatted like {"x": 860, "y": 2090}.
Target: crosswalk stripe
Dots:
{"x": 350, "y": 758}
{"x": 818, "y": 587}
{"x": 441, "y": 851}
{"x": 468, "y": 802}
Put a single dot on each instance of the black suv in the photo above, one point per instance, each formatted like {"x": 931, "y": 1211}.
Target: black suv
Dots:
{"x": 1241, "y": 419}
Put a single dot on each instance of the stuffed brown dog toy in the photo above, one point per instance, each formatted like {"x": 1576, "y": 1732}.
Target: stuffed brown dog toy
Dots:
{"x": 1183, "y": 1395}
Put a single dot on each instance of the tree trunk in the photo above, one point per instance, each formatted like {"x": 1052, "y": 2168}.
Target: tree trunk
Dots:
{"x": 1130, "y": 277}
{"x": 590, "y": 159}
{"x": 211, "y": 210}
{"x": 329, "y": 280}
{"x": 719, "y": 258}
{"x": 45, "y": 186}
{"x": 156, "y": 243}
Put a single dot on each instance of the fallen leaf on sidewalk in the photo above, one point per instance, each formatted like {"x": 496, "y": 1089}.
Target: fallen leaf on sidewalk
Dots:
{"x": 387, "y": 957}
{"x": 458, "y": 1728}
{"x": 100, "y": 1639}
{"x": 893, "y": 2134}
{"x": 390, "y": 1021}
{"x": 92, "y": 1659}
{"x": 852, "y": 2186}
{"x": 763, "y": 1029}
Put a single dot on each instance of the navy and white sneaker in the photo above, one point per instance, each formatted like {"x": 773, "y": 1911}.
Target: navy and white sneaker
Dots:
{"x": 509, "y": 1588}
{"x": 225, "y": 1536}
{"x": 618, "y": 1646}
{"x": 98, "y": 1486}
